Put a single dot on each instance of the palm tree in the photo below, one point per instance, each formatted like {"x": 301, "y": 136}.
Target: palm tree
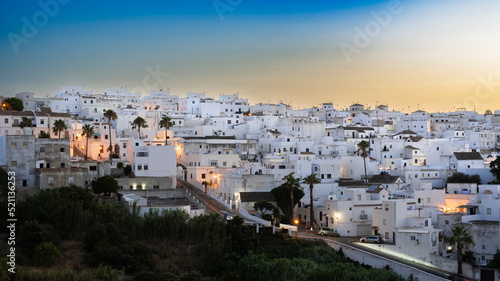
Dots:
{"x": 205, "y": 184}
{"x": 139, "y": 123}
{"x": 25, "y": 122}
{"x": 311, "y": 180}
{"x": 364, "y": 148}
{"x": 461, "y": 238}
{"x": 292, "y": 183}
{"x": 88, "y": 131}
{"x": 59, "y": 126}
{"x": 111, "y": 116}
{"x": 166, "y": 123}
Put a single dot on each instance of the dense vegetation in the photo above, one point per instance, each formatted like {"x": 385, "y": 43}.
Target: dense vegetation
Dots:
{"x": 463, "y": 178}
{"x": 66, "y": 234}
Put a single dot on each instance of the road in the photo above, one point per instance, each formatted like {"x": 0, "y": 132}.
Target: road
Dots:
{"x": 354, "y": 242}
{"x": 212, "y": 206}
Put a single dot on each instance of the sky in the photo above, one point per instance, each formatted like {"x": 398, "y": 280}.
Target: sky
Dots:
{"x": 409, "y": 54}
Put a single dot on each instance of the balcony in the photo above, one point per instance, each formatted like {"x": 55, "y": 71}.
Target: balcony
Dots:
{"x": 361, "y": 217}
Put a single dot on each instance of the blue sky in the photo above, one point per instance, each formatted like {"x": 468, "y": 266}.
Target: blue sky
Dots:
{"x": 429, "y": 53}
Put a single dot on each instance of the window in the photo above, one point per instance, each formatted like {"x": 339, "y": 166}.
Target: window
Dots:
{"x": 437, "y": 148}
{"x": 63, "y": 165}
{"x": 25, "y": 183}
{"x": 384, "y": 221}
{"x": 105, "y": 137}
{"x": 91, "y": 168}
{"x": 14, "y": 146}
{"x": 386, "y": 207}
{"x": 124, "y": 145}
{"x": 446, "y": 222}
{"x": 204, "y": 176}
{"x": 61, "y": 149}
{"x": 42, "y": 121}
{"x": 156, "y": 187}
{"x": 387, "y": 235}
{"x": 146, "y": 167}
{"x": 142, "y": 154}
{"x": 48, "y": 165}
{"x": 24, "y": 146}
{"x": 413, "y": 238}
{"x": 139, "y": 167}
{"x": 6, "y": 121}
{"x": 488, "y": 211}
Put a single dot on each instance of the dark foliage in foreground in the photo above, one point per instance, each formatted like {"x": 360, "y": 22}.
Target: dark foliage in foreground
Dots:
{"x": 168, "y": 245}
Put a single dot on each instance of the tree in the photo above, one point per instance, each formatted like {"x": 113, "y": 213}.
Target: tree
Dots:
{"x": 460, "y": 238}
{"x": 262, "y": 206}
{"x": 282, "y": 196}
{"x": 110, "y": 115}
{"x": 291, "y": 183}
{"x": 59, "y": 126}
{"x": 311, "y": 180}
{"x": 495, "y": 262}
{"x": 105, "y": 184}
{"x": 88, "y": 131}
{"x": 205, "y": 185}
{"x": 13, "y": 104}
{"x": 46, "y": 254}
{"x": 495, "y": 168}
{"x": 463, "y": 178}
{"x": 26, "y": 122}
{"x": 488, "y": 112}
{"x": 166, "y": 123}
{"x": 139, "y": 123}
{"x": 43, "y": 135}
{"x": 364, "y": 148}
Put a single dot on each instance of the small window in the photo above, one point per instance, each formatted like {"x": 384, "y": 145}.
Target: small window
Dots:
{"x": 204, "y": 176}
{"x": 139, "y": 167}
{"x": 124, "y": 145}
{"x": 488, "y": 211}
{"x": 61, "y": 149}
{"x": 91, "y": 168}
{"x": 14, "y": 146}
{"x": 63, "y": 165}
{"x": 146, "y": 167}
{"x": 384, "y": 221}
{"x": 48, "y": 165}
{"x": 25, "y": 183}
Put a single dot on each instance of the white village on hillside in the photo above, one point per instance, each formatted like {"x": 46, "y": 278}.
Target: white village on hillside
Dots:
{"x": 380, "y": 171}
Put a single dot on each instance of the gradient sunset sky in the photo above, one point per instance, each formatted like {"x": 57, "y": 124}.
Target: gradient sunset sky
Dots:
{"x": 432, "y": 55}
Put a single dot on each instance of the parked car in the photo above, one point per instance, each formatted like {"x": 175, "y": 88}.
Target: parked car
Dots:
{"x": 328, "y": 231}
{"x": 372, "y": 239}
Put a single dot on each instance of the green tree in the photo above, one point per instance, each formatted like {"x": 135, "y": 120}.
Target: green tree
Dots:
{"x": 13, "y": 104}
{"x": 364, "y": 148}
{"x": 88, "y": 131}
{"x": 495, "y": 261}
{"x": 139, "y": 123}
{"x": 291, "y": 183}
{"x": 26, "y": 122}
{"x": 282, "y": 196}
{"x": 311, "y": 180}
{"x": 262, "y": 206}
{"x": 106, "y": 184}
{"x": 46, "y": 254}
{"x": 166, "y": 123}
{"x": 59, "y": 126}
{"x": 460, "y": 237}
{"x": 463, "y": 178}
{"x": 43, "y": 135}
{"x": 495, "y": 169}
{"x": 488, "y": 112}
{"x": 205, "y": 185}
{"x": 110, "y": 115}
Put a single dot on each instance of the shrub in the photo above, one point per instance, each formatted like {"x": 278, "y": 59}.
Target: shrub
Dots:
{"x": 46, "y": 254}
